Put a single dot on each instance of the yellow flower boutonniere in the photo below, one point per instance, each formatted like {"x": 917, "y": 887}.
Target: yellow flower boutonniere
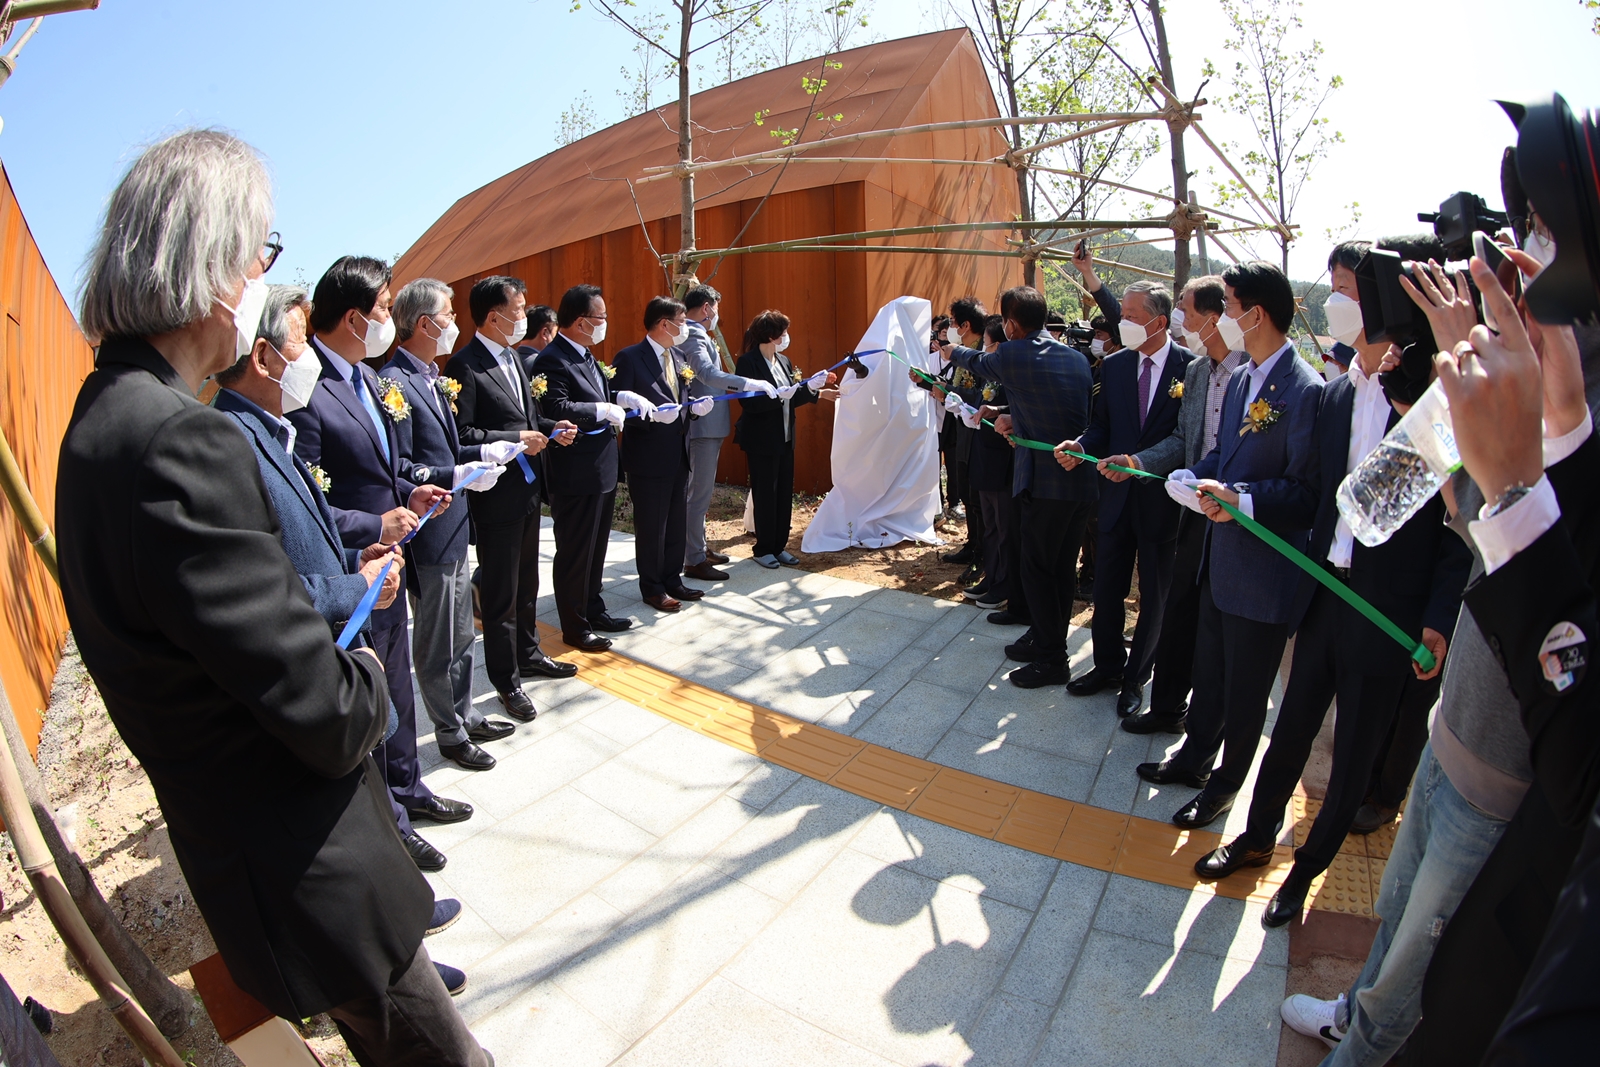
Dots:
{"x": 1260, "y": 416}
{"x": 964, "y": 379}
{"x": 1176, "y": 391}
{"x": 451, "y": 389}
{"x": 320, "y": 476}
{"x": 608, "y": 370}
{"x": 393, "y": 399}
{"x": 539, "y": 385}
{"x": 686, "y": 372}
{"x": 988, "y": 392}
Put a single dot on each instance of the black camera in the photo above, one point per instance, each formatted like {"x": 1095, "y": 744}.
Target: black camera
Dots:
{"x": 1079, "y": 335}
{"x": 1387, "y": 313}
{"x": 1555, "y": 169}
{"x": 1458, "y": 217}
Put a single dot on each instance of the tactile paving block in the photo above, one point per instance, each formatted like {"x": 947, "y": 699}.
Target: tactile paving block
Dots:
{"x": 1035, "y": 822}
{"x": 1380, "y": 843}
{"x": 886, "y": 776}
{"x": 1345, "y": 887}
{"x": 1160, "y": 852}
{"x": 744, "y": 726}
{"x": 1304, "y": 812}
{"x": 812, "y": 750}
{"x": 966, "y": 801}
{"x": 1093, "y": 837}
{"x": 1257, "y": 884}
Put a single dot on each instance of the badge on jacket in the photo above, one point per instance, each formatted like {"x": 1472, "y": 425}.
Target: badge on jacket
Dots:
{"x": 1562, "y": 658}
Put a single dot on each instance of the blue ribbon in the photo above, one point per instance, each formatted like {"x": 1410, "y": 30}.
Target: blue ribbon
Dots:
{"x": 522, "y": 461}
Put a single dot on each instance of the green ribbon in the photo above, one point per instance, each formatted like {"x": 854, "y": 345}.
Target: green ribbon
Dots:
{"x": 1419, "y": 651}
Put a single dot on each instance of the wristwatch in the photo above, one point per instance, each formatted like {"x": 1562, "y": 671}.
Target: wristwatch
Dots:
{"x": 1508, "y": 498}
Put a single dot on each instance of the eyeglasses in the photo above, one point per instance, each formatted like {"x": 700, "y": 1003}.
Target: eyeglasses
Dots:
{"x": 270, "y": 251}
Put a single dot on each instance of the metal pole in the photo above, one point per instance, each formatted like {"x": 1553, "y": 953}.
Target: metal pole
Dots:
{"x": 30, "y": 9}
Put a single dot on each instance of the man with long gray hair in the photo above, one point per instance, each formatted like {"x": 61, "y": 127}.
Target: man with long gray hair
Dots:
{"x": 254, "y": 727}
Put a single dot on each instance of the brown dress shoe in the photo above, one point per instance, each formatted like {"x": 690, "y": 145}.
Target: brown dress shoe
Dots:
{"x": 705, "y": 572}
{"x": 663, "y": 602}
{"x": 717, "y": 558}
{"x": 686, "y": 593}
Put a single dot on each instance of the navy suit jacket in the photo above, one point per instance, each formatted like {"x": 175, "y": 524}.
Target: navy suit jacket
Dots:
{"x": 575, "y": 384}
{"x": 1115, "y": 431}
{"x": 1415, "y": 578}
{"x": 1278, "y": 467}
{"x": 652, "y": 449}
{"x": 488, "y": 410}
{"x": 306, "y": 523}
{"x": 430, "y": 448}
{"x": 760, "y": 429}
{"x": 1049, "y": 386}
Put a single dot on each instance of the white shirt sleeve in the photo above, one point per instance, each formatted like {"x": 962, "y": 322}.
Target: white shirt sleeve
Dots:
{"x": 1247, "y": 505}
{"x": 1557, "y": 449}
{"x": 1501, "y": 537}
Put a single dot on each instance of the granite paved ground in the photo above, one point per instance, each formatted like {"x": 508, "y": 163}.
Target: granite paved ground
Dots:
{"x": 637, "y": 893}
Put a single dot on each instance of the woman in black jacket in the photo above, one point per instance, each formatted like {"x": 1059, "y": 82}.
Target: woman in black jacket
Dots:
{"x": 766, "y": 432}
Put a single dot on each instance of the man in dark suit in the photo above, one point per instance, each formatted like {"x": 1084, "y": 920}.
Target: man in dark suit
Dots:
{"x": 1136, "y": 409}
{"x": 1265, "y": 464}
{"x": 254, "y": 728}
{"x": 1205, "y": 384}
{"x": 957, "y": 439}
{"x": 347, "y": 430}
{"x": 440, "y": 583}
{"x": 655, "y": 452}
{"x": 1049, "y": 386}
{"x": 1414, "y": 578}
{"x": 583, "y": 476}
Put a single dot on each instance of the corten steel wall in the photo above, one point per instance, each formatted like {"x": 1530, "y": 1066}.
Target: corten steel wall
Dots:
{"x": 43, "y": 360}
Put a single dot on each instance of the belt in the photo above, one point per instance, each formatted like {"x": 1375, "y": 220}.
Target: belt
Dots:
{"x": 1341, "y": 573}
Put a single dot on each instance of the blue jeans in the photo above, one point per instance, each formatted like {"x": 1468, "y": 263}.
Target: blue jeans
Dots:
{"x": 1442, "y": 844}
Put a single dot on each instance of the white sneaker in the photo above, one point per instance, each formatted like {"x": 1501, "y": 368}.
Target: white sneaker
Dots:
{"x": 1315, "y": 1018}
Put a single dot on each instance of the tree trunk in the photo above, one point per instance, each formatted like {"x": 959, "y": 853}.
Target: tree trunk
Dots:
{"x": 685, "y": 265}
{"x": 1180, "y": 168}
{"x": 166, "y": 1004}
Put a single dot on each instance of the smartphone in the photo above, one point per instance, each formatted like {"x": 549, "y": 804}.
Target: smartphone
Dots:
{"x": 1082, "y": 249}
{"x": 1505, "y": 271}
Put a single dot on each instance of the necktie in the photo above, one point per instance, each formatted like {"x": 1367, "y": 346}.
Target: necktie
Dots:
{"x": 364, "y": 394}
{"x": 504, "y": 358}
{"x": 1144, "y": 389}
{"x": 666, "y": 372}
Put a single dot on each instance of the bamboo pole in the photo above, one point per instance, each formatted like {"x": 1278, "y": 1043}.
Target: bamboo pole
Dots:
{"x": 40, "y": 867}
{"x": 874, "y": 161}
{"x": 1056, "y": 142}
{"x": 1067, "y": 173}
{"x": 1271, "y": 215}
{"x": 33, "y": 525}
{"x": 1119, "y": 266}
{"x": 1077, "y": 226}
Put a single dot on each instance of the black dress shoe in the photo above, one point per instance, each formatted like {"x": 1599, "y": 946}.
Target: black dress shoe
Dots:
{"x": 467, "y": 756}
{"x": 1169, "y": 772}
{"x": 490, "y": 730}
{"x": 1149, "y": 721}
{"x": 717, "y": 558}
{"x": 609, "y": 624}
{"x": 964, "y": 554}
{"x": 1038, "y": 674}
{"x": 973, "y": 572}
{"x": 1236, "y": 855}
{"x": 1130, "y": 699}
{"x": 1206, "y": 808}
{"x": 1371, "y": 818}
{"x": 1024, "y": 650}
{"x": 1287, "y": 902}
{"x": 1006, "y": 618}
{"x": 542, "y": 666}
{"x": 442, "y": 809}
{"x": 424, "y": 855}
{"x": 705, "y": 572}
{"x": 588, "y": 641}
{"x": 1092, "y": 682}
{"x": 518, "y": 706}
{"x": 683, "y": 592}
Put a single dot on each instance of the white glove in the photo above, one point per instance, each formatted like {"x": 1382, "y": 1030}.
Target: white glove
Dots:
{"x": 1180, "y": 487}
{"x": 969, "y": 415}
{"x": 759, "y": 385}
{"x": 702, "y": 407}
{"x": 635, "y": 402}
{"x": 953, "y": 403}
{"x": 483, "y": 481}
{"x": 664, "y": 414}
{"x": 786, "y": 391}
{"x": 612, "y": 413}
{"x": 816, "y": 382}
{"x": 500, "y": 451}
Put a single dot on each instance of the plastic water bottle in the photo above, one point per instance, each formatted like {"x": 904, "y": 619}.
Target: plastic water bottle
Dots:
{"x": 1399, "y": 476}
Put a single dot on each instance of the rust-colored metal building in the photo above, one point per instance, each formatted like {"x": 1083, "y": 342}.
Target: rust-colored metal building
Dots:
{"x": 568, "y": 217}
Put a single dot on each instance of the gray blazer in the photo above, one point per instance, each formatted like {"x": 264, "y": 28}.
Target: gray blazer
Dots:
{"x": 700, "y": 353}
{"x": 1181, "y": 449}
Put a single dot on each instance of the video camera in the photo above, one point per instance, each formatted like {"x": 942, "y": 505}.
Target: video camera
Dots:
{"x": 1458, "y": 217}
{"x": 1079, "y": 335}
{"x": 1555, "y": 169}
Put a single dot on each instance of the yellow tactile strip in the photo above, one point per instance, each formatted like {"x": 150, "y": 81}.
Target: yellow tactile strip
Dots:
{"x": 1048, "y": 825}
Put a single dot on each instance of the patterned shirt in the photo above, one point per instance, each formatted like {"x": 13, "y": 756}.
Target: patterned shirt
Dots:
{"x": 1216, "y": 389}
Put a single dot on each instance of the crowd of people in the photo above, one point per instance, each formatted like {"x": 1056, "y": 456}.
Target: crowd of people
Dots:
{"x": 255, "y": 581}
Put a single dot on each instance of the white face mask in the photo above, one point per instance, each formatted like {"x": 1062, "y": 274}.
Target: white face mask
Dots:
{"x": 952, "y": 335}
{"x": 1232, "y": 333}
{"x": 519, "y": 330}
{"x": 598, "y": 333}
{"x": 682, "y": 335}
{"x": 247, "y": 316}
{"x": 711, "y": 322}
{"x": 299, "y": 379}
{"x": 783, "y": 342}
{"x": 1344, "y": 318}
{"x": 1133, "y": 334}
{"x": 445, "y": 343}
{"x": 1540, "y": 247}
{"x": 1097, "y": 346}
{"x": 1193, "y": 341}
{"x": 1178, "y": 319}
{"x": 379, "y": 336}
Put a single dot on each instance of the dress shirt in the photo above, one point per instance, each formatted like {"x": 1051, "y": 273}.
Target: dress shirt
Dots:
{"x": 666, "y": 366}
{"x": 1500, "y": 537}
{"x": 503, "y": 356}
{"x": 431, "y": 369}
{"x": 1258, "y": 372}
{"x": 1158, "y": 363}
{"x": 347, "y": 370}
{"x": 780, "y": 379}
{"x": 1216, "y": 390}
{"x": 1368, "y": 418}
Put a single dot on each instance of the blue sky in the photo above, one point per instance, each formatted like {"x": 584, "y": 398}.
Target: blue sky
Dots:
{"x": 376, "y": 117}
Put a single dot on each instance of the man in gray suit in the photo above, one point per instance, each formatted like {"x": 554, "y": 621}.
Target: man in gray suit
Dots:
{"x": 707, "y": 433}
{"x": 1200, "y": 305}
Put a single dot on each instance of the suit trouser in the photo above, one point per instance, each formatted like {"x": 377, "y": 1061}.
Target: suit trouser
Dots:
{"x": 1235, "y": 662}
{"x": 961, "y": 488}
{"x": 997, "y": 537}
{"x": 1090, "y": 542}
{"x": 658, "y": 530}
{"x": 1017, "y": 605}
{"x": 441, "y": 646}
{"x": 1131, "y": 537}
{"x": 508, "y": 597}
{"x": 1396, "y": 762}
{"x": 1323, "y": 668}
{"x": 1174, "y": 663}
{"x": 401, "y": 771}
{"x": 582, "y": 526}
{"x": 1051, "y": 533}
{"x": 413, "y": 1023}
{"x": 703, "y": 453}
{"x": 772, "y": 498}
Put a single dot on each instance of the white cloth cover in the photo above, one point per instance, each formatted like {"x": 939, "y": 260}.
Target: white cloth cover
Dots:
{"x": 885, "y": 443}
